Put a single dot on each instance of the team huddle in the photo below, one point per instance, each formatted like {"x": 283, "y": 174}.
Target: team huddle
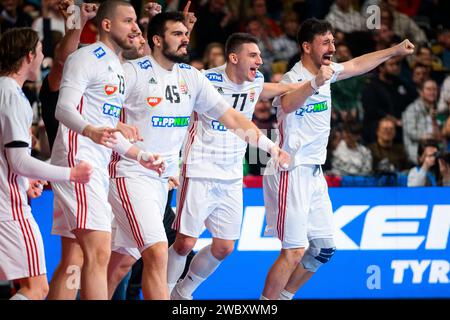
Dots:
{"x": 122, "y": 125}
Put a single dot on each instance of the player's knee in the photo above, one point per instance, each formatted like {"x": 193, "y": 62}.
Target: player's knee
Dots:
{"x": 319, "y": 252}
{"x": 98, "y": 256}
{"x": 222, "y": 251}
{"x": 155, "y": 254}
{"x": 184, "y": 245}
{"x": 293, "y": 256}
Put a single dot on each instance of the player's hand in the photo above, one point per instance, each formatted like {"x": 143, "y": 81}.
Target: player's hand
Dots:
{"x": 81, "y": 173}
{"x": 88, "y": 11}
{"x": 325, "y": 74}
{"x": 152, "y": 161}
{"x": 282, "y": 158}
{"x": 189, "y": 17}
{"x": 404, "y": 48}
{"x": 152, "y": 9}
{"x": 129, "y": 132}
{"x": 173, "y": 183}
{"x": 36, "y": 187}
{"x": 63, "y": 8}
{"x": 101, "y": 135}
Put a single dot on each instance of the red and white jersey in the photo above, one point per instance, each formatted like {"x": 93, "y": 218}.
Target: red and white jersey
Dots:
{"x": 95, "y": 71}
{"x": 304, "y": 133}
{"x": 15, "y": 122}
{"x": 215, "y": 151}
{"x": 160, "y": 103}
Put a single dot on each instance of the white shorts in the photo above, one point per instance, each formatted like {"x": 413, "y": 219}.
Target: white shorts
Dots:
{"x": 298, "y": 207}
{"x": 82, "y": 206}
{"x": 134, "y": 252}
{"x": 138, "y": 205}
{"x": 216, "y": 204}
{"x": 21, "y": 250}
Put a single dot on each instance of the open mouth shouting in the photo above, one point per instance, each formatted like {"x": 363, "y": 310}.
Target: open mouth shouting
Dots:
{"x": 326, "y": 58}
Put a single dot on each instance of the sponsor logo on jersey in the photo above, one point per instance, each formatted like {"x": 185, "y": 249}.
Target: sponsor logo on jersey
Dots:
{"x": 183, "y": 87}
{"x": 145, "y": 64}
{"x": 214, "y": 77}
{"x": 259, "y": 75}
{"x": 110, "y": 89}
{"x": 251, "y": 95}
{"x": 111, "y": 110}
{"x": 184, "y": 66}
{"x": 170, "y": 122}
{"x": 312, "y": 108}
{"x": 220, "y": 90}
{"x": 216, "y": 125}
{"x": 99, "y": 52}
{"x": 152, "y": 81}
{"x": 153, "y": 101}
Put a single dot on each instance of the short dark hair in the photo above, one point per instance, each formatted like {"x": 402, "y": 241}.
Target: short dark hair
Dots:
{"x": 107, "y": 9}
{"x": 310, "y": 28}
{"x": 236, "y": 40}
{"x": 15, "y": 44}
{"x": 423, "y": 144}
{"x": 157, "y": 25}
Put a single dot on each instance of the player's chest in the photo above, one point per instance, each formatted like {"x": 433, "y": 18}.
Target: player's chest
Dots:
{"x": 165, "y": 94}
{"x": 110, "y": 84}
{"x": 242, "y": 99}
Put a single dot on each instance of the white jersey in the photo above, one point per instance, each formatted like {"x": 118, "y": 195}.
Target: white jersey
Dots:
{"x": 215, "y": 151}
{"x": 160, "y": 104}
{"x": 95, "y": 71}
{"x": 304, "y": 133}
{"x": 15, "y": 123}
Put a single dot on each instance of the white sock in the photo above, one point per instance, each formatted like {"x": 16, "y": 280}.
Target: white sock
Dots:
{"x": 19, "y": 296}
{"x": 202, "y": 266}
{"x": 263, "y": 298}
{"x": 286, "y": 295}
{"x": 175, "y": 268}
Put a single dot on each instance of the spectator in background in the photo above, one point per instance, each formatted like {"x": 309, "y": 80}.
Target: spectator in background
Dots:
{"x": 425, "y": 56}
{"x": 444, "y": 98}
{"x": 420, "y": 73}
{"x": 346, "y": 93}
{"x": 52, "y": 16}
{"x": 214, "y": 55}
{"x": 419, "y": 119}
{"x": 265, "y": 44}
{"x": 384, "y": 37}
{"x": 285, "y": 46}
{"x": 13, "y": 16}
{"x": 384, "y": 95}
{"x": 446, "y": 135}
{"x": 350, "y": 156}
{"x": 387, "y": 155}
{"x": 443, "y": 38}
{"x": 215, "y": 23}
{"x": 343, "y": 17}
{"x": 429, "y": 171}
{"x": 402, "y": 25}
{"x": 259, "y": 10}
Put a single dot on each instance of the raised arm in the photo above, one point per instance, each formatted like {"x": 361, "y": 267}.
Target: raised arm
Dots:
{"x": 370, "y": 61}
{"x": 71, "y": 39}
{"x": 272, "y": 90}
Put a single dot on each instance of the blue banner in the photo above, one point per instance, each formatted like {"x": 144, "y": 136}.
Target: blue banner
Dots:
{"x": 392, "y": 243}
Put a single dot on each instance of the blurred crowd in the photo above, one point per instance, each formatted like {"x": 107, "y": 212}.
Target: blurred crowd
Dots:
{"x": 393, "y": 121}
